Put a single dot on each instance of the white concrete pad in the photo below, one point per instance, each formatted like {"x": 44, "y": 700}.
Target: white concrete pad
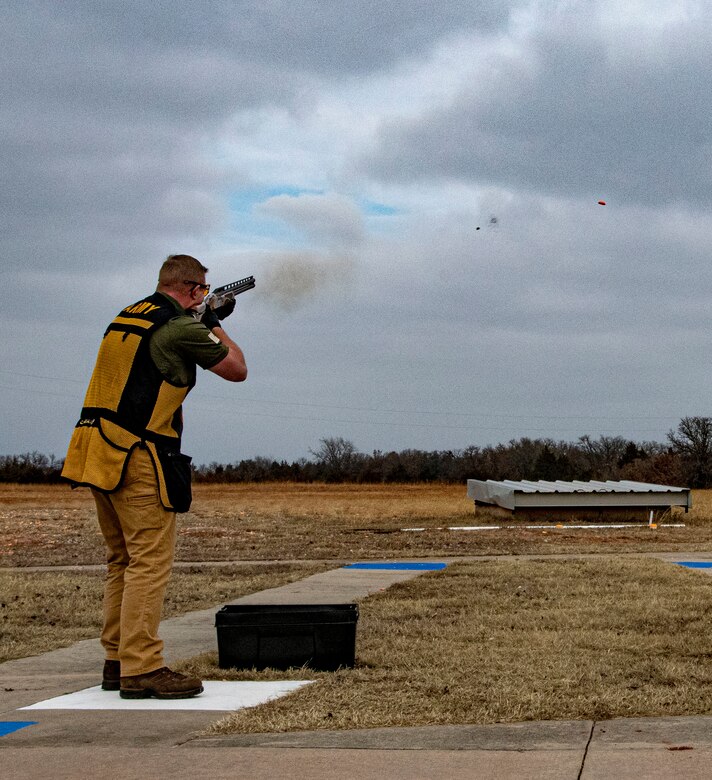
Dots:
{"x": 218, "y": 695}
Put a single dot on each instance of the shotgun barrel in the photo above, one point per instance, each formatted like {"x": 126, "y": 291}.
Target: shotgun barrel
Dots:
{"x": 237, "y": 287}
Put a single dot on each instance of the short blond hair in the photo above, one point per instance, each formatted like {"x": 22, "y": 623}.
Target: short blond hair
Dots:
{"x": 178, "y": 268}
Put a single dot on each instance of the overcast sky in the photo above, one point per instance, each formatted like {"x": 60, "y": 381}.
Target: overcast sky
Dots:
{"x": 414, "y": 186}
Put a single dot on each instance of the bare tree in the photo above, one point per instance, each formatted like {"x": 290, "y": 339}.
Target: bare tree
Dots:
{"x": 693, "y": 442}
{"x": 604, "y": 455}
{"x": 337, "y": 455}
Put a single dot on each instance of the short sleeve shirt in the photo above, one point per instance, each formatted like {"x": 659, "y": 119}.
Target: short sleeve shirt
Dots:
{"x": 181, "y": 344}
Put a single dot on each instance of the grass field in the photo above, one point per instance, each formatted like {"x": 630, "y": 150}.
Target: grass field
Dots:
{"x": 506, "y": 641}
{"x": 41, "y": 611}
{"x": 50, "y": 525}
{"x": 485, "y": 641}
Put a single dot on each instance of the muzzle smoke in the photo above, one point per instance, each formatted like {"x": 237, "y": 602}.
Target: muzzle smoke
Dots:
{"x": 293, "y": 278}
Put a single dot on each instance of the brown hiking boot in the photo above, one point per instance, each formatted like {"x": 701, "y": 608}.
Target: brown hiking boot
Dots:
{"x": 112, "y": 676}
{"x": 162, "y": 684}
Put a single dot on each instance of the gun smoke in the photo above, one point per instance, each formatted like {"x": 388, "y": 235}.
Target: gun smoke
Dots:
{"x": 290, "y": 279}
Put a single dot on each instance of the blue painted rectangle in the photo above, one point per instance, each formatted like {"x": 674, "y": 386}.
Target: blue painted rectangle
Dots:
{"x": 415, "y": 566}
{"x": 696, "y": 564}
{"x": 8, "y": 726}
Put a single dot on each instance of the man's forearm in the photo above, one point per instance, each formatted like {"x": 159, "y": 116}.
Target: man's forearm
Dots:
{"x": 233, "y": 366}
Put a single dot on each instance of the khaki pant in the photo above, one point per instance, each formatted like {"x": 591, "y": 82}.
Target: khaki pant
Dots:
{"x": 140, "y": 536}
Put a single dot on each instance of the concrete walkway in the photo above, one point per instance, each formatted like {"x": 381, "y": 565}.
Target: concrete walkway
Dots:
{"x": 163, "y": 744}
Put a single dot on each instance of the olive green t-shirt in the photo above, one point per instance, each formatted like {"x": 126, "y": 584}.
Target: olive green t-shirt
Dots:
{"x": 181, "y": 344}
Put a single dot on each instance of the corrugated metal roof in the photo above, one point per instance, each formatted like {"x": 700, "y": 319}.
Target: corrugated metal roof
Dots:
{"x": 511, "y": 494}
{"x": 576, "y": 486}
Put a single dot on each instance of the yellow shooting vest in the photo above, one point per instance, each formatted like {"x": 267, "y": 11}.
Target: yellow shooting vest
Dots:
{"x": 128, "y": 403}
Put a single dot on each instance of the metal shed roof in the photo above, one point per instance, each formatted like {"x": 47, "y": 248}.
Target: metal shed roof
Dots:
{"x": 512, "y": 494}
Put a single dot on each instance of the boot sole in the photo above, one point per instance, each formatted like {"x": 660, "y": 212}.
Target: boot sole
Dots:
{"x": 147, "y": 693}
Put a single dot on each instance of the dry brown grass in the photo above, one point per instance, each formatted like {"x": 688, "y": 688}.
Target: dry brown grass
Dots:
{"x": 502, "y": 640}
{"x": 512, "y": 641}
{"x": 42, "y": 611}
{"x": 289, "y": 521}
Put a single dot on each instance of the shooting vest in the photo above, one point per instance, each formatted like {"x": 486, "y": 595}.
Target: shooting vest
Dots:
{"x": 128, "y": 404}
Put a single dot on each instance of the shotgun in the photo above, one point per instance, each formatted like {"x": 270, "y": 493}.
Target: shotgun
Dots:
{"x": 223, "y": 295}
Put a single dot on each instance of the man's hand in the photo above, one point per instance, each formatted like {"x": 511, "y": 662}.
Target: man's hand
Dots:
{"x": 225, "y": 309}
{"x": 210, "y": 319}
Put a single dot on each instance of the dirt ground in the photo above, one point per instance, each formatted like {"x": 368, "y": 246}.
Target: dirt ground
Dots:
{"x": 44, "y": 525}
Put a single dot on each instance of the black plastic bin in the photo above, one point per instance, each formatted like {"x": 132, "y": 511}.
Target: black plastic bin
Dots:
{"x": 320, "y": 636}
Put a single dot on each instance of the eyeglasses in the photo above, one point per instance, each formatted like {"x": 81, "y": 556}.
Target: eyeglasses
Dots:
{"x": 204, "y": 287}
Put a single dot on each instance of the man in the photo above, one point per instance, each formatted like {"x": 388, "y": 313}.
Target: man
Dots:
{"x": 126, "y": 448}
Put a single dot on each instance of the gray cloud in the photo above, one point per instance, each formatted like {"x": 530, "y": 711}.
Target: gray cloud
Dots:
{"x": 127, "y": 128}
{"x": 331, "y": 38}
{"x": 331, "y": 219}
{"x": 576, "y": 111}
{"x": 109, "y": 111}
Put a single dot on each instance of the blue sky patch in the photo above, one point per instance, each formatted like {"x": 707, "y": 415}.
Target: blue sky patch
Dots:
{"x": 373, "y": 209}
{"x": 243, "y": 201}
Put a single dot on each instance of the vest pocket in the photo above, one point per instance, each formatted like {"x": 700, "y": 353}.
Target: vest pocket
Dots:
{"x": 95, "y": 457}
{"x": 177, "y": 475}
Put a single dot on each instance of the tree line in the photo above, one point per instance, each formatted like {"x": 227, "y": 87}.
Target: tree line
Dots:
{"x": 685, "y": 459}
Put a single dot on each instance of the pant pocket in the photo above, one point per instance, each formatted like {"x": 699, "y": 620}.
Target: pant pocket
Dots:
{"x": 147, "y": 499}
